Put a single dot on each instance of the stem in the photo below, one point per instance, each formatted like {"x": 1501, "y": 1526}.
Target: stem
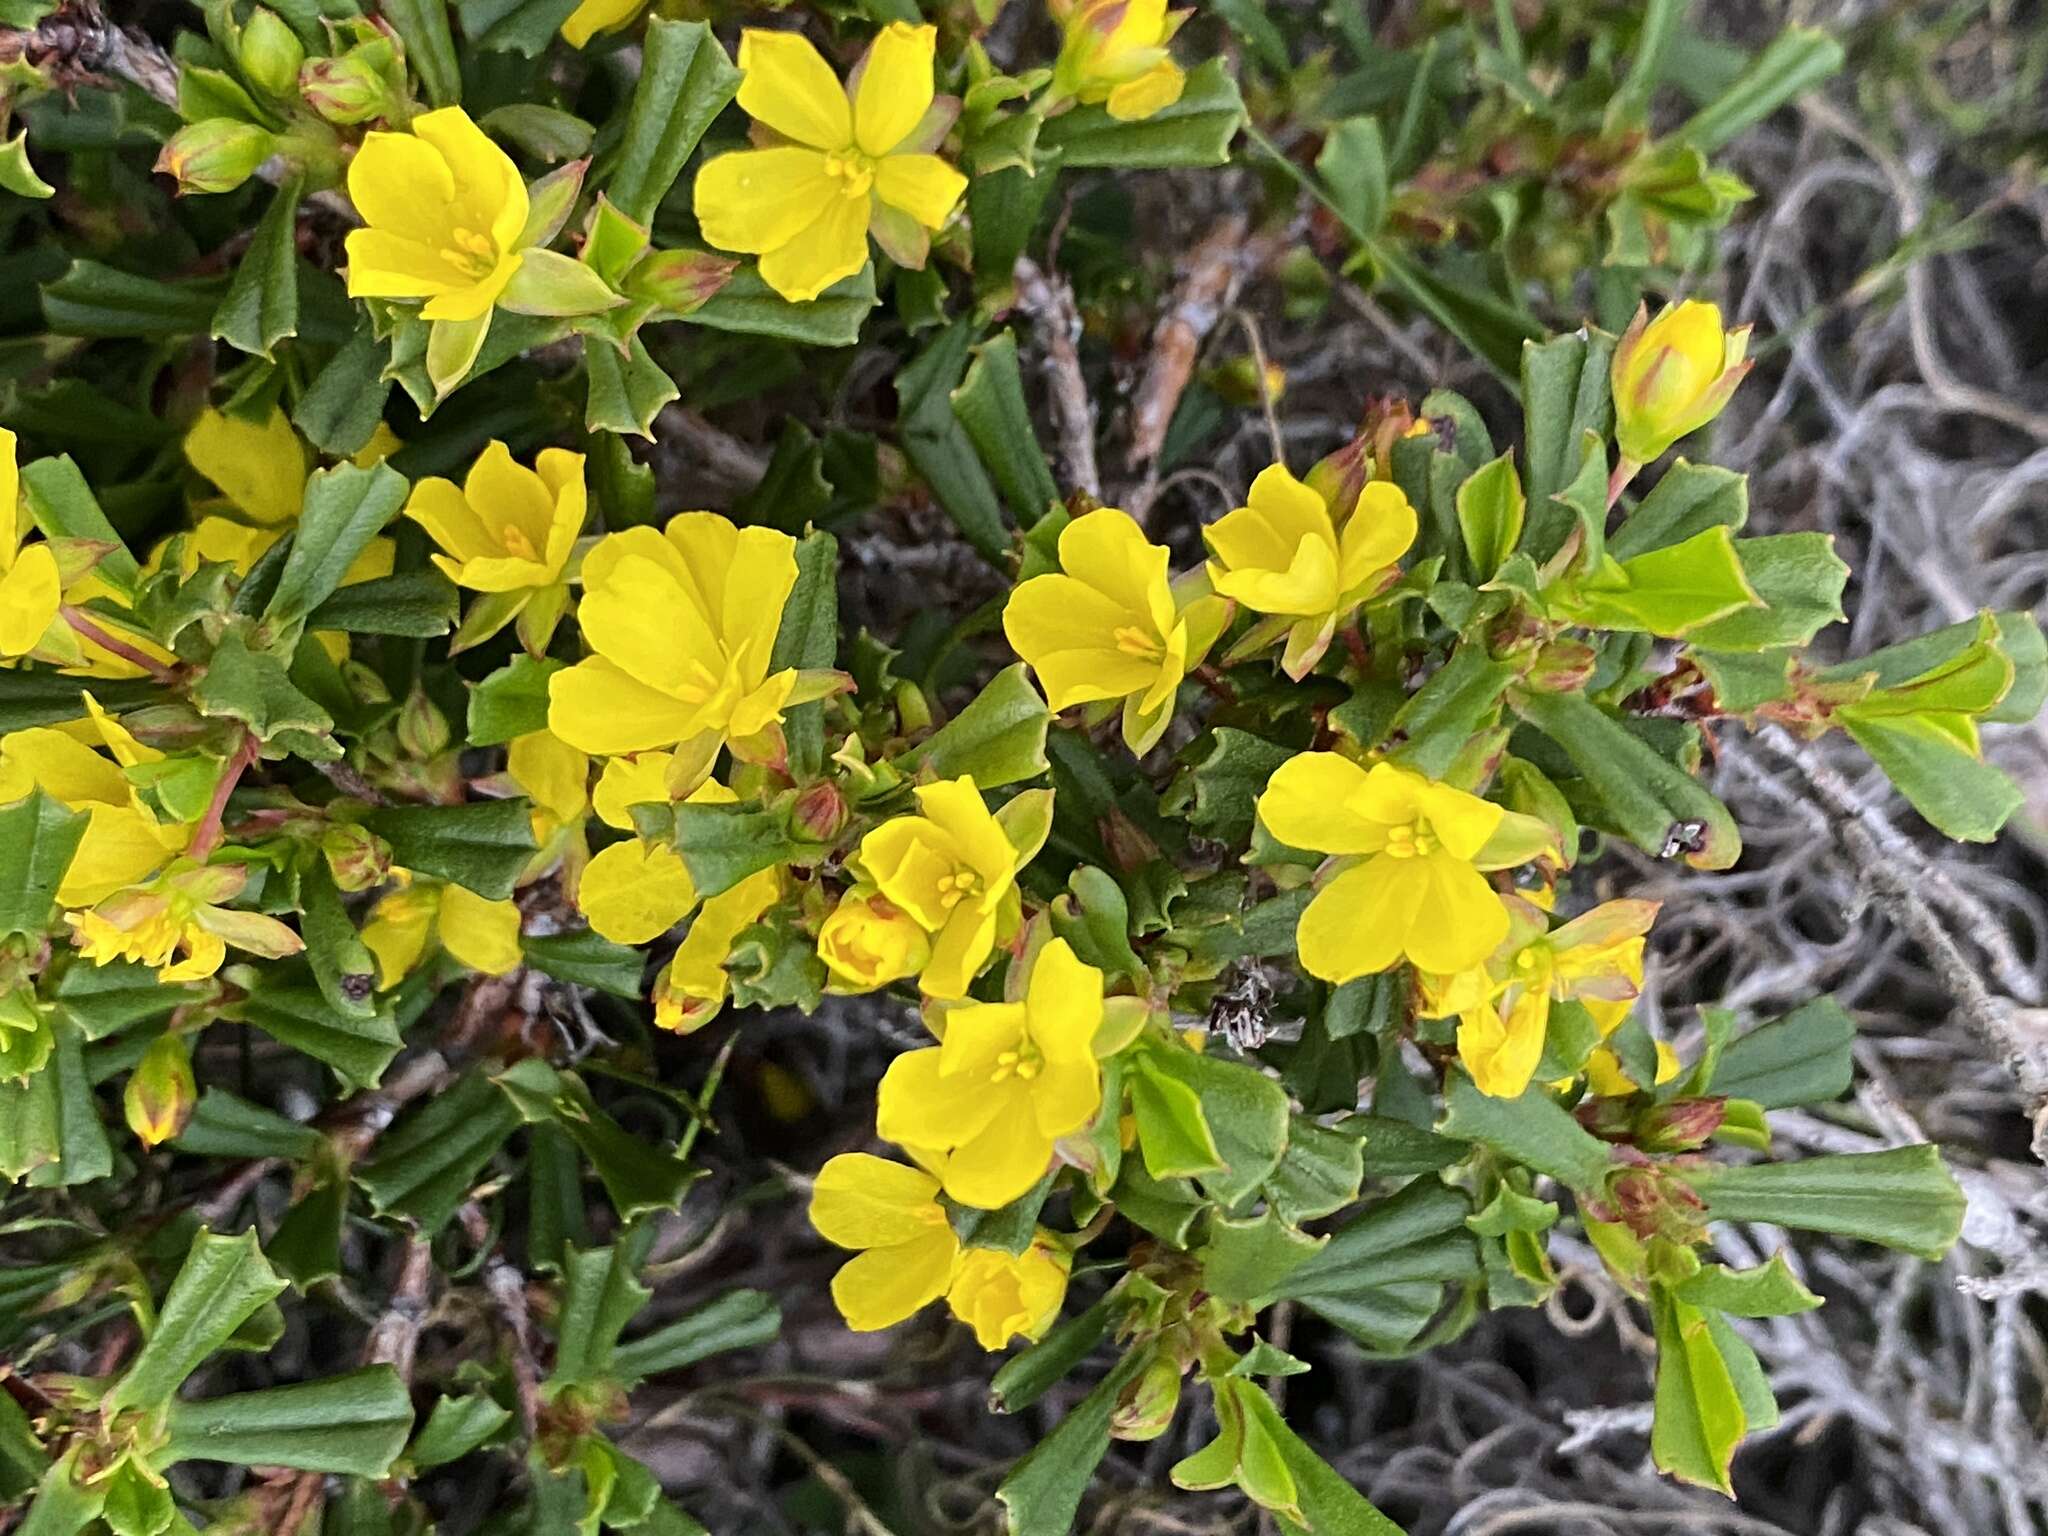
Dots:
{"x": 207, "y": 838}
{"x": 1625, "y": 469}
{"x": 77, "y": 619}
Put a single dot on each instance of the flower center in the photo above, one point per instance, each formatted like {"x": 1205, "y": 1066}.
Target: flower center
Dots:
{"x": 516, "y": 543}
{"x": 1025, "y": 1062}
{"x": 469, "y": 252}
{"x": 1412, "y": 841}
{"x": 854, "y": 172}
{"x": 1133, "y": 641}
{"x": 957, "y": 887}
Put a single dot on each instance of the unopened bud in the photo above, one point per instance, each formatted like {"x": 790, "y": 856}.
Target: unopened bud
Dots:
{"x": 353, "y": 87}
{"x": 270, "y": 53}
{"x": 161, "y": 1093}
{"x": 1562, "y": 666}
{"x": 1145, "y": 1408}
{"x": 422, "y": 728}
{"x": 216, "y": 155}
{"x": 1339, "y": 477}
{"x": 869, "y": 941}
{"x": 819, "y": 812}
{"x": 679, "y": 281}
{"x": 1237, "y": 380}
{"x": 1681, "y": 1126}
{"x": 1672, "y": 375}
{"x": 357, "y": 857}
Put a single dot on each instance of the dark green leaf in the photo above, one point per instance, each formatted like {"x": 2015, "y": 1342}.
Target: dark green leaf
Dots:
{"x": 685, "y": 81}
{"x": 600, "y": 1295}
{"x": 261, "y": 306}
{"x": 809, "y": 639}
{"x": 345, "y": 508}
{"x": 722, "y": 844}
{"x": 587, "y": 959}
{"x": 939, "y": 447}
{"x": 422, "y": 25}
{"x": 38, "y": 837}
{"x": 357, "y": 1046}
{"x": 749, "y": 306}
{"x": 742, "y": 1319}
{"x": 990, "y": 405}
{"x": 1803, "y": 1058}
{"x": 1043, "y": 1491}
{"x": 1531, "y": 1130}
{"x": 426, "y": 1163}
{"x": 223, "y": 1282}
{"x": 1382, "y": 1275}
{"x": 1902, "y": 1197}
{"x": 420, "y": 605}
{"x": 456, "y": 1426}
{"x": 353, "y": 1425}
{"x": 482, "y": 846}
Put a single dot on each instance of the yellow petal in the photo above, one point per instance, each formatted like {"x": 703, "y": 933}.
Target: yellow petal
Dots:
{"x": 553, "y": 773}
{"x": 1154, "y": 91}
{"x": 1459, "y": 921}
{"x": 602, "y": 709}
{"x": 1003, "y": 1296}
{"x": 999, "y": 1163}
{"x": 919, "y": 1104}
{"x": 788, "y": 85}
{"x": 862, "y": 1201}
{"x": 397, "y": 931}
{"x": 833, "y": 247}
{"x": 439, "y": 506}
{"x": 1358, "y": 924}
{"x": 895, "y": 86}
{"x": 633, "y": 892}
{"x": 629, "y": 781}
{"x": 513, "y": 503}
{"x": 31, "y": 592}
{"x": 1064, "y": 1004}
{"x": 758, "y": 200}
{"x": 594, "y": 16}
{"x": 260, "y": 467}
{"x": 490, "y": 195}
{"x": 1379, "y": 531}
{"x": 923, "y": 186}
{"x": 1501, "y": 1052}
{"x": 883, "y": 1286}
{"x": 1320, "y": 801}
{"x": 401, "y": 185}
{"x": 483, "y": 934}
{"x": 1067, "y": 630}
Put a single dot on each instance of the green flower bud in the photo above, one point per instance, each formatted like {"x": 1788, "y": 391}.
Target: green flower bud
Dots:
{"x": 357, "y": 857}
{"x": 270, "y": 54}
{"x": 216, "y": 155}
{"x": 161, "y": 1093}
{"x": 422, "y": 728}
{"x": 355, "y": 86}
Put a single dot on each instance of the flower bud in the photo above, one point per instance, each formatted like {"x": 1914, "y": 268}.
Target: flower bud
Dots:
{"x": 679, "y": 282}
{"x": 1114, "y": 53}
{"x": 1340, "y": 476}
{"x": 161, "y": 1093}
{"x": 353, "y": 87}
{"x": 357, "y": 857}
{"x": 1562, "y": 666}
{"x": 869, "y": 942}
{"x": 1672, "y": 375}
{"x": 819, "y": 812}
{"x": 422, "y": 728}
{"x": 1681, "y": 1126}
{"x": 1145, "y": 1408}
{"x": 216, "y": 155}
{"x": 270, "y": 53}
{"x": 1237, "y": 380}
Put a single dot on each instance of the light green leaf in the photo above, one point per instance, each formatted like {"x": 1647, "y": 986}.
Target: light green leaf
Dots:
{"x": 997, "y": 739}
{"x": 747, "y": 305}
{"x": 456, "y": 1426}
{"x": 1902, "y": 1197}
{"x": 1353, "y": 167}
{"x": 1769, "y": 1290}
{"x": 1490, "y": 513}
{"x": 353, "y": 1425}
{"x": 600, "y": 1295}
{"x": 1532, "y": 1130}
{"x": 1800, "y": 579}
{"x": 1670, "y": 591}
{"x": 939, "y": 446}
{"x": 345, "y": 508}
{"x": 1699, "y": 1418}
{"x": 223, "y": 1282}
{"x": 1246, "y": 1259}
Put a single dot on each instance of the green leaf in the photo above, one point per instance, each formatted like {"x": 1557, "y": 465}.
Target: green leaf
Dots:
{"x": 482, "y": 846}
{"x": 50, "y": 1131}
{"x": 638, "y": 1178}
{"x": 513, "y": 26}
{"x": 747, "y": 305}
{"x": 95, "y": 301}
{"x": 1901, "y": 1197}
{"x": 422, "y": 25}
{"x": 1382, "y": 1275}
{"x": 626, "y": 392}
{"x": 50, "y": 698}
{"x": 1246, "y": 1113}
{"x": 1699, "y": 1417}
{"x": 1095, "y": 919}
{"x": 358, "y": 1046}
{"x": 1769, "y": 1290}
{"x": 1027, "y": 1375}
{"x": 426, "y": 1164}
{"x": 1353, "y": 166}
{"x": 1689, "y": 500}
{"x": 456, "y": 1426}
{"x": 1565, "y": 394}
{"x": 741, "y": 1319}
{"x": 420, "y": 605}
{"x": 1490, "y": 328}
{"x": 723, "y": 844}
{"x": 345, "y": 508}
{"x": 1042, "y": 1492}
{"x": 64, "y": 507}
{"x": 1329, "y": 1505}
{"x": 66, "y": 1503}
{"x": 343, "y": 967}
{"x": 223, "y": 1282}
{"x": 1670, "y": 591}
{"x": 1803, "y": 1058}
{"x": 512, "y": 701}
{"x": 1490, "y": 514}
{"x": 1800, "y": 579}
{"x": 1395, "y": 1149}
{"x": 353, "y": 1425}
{"x": 600, "y": 1295}
{"x": 38, "y": 837}
{"x": 1173, "y": 1135}
{"x": 345, "y": 402}
{"x": 809, "y": 639}
{"x": 587, "y": 959}
{"x": 1228, "y": 782}
{"x": 17, "y": 175}
{"x": 990, "y": 405}
{"x": 1796, "y": 60}
{"x": 1194, "y": 131}
{"x": 685, "y": 82}
{"x": 1962, "y": 796}
{"x": 1461, "y": 699}
{"x": 225, "y": 1126}
{"x": 1320, "y": 1172}
{"x": 254, "y": 688}
{"x": 997, "y": 739}
{"x": 1244, "y": 1260}
{"x": 938, "y": 446}
{"x": 1531, "y": 1130}
{"x": 261, "y": 306}
{"x": 1651, "y": 801}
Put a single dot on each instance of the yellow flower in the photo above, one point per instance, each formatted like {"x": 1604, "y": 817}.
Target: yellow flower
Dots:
{"x": 1504, "y": 1005}
{"x": 507, "y": 528}
{"x": 481, "y": 933}
{"x": 633, "y": 891}
{"x": 954, "y": 867}
{"x": 1114, "y": 52}
{"x": 260, "y": 468}
{"x": 445, "y": 211}
{"x": 683, "y": 624}
{"x": 1672, "y": 375}
{"x": 868, "y": 941}
{"x": 694, "y": 986}
{"x": 1004, "y": 1296}
{"x": 123, "y": 842}
{"x": 1606, "y": 1077}
{"x": 1006, "y": 1081}
{"x": 1109, "y": 627}
{"x": 905, "y": 1252}
{"x": 31, "y": 587}
{"x": 555, "y": 777}
{"x": 1406, "y": 883}
{"x": 1283, "y": 554}
{"x": 853, "y": 162}
{"x": 179, "y": 913}
{"x": 594, "y": 16}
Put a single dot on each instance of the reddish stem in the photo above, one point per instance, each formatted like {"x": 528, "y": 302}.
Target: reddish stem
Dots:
{"x": 78, "y": 620}
{"x": 1625, "y": 470}
{"x": 207, "y": 838}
